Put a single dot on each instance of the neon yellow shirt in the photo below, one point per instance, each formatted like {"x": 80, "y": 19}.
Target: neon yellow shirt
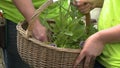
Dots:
{"x": 12, "y": 13}
{"x": 110, "y": 16}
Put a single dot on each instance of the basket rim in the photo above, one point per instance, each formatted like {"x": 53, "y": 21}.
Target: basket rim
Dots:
{"x": 23, "y": 33}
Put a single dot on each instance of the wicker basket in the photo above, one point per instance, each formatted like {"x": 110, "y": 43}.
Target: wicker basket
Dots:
{"x": 40, "y": 55}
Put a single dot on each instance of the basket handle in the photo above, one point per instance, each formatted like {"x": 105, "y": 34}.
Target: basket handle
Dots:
{"x": 88, "y": 22}
{"x": 35, "y": 15}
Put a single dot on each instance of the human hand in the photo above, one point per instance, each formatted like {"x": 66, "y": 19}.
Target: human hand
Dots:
{"x": 85, "y": 6}
{"x": 39, "y": 32}
{"x": 93, "y": 47}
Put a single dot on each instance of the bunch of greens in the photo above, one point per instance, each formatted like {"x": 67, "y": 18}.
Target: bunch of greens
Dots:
{"x": 68, "y": 29}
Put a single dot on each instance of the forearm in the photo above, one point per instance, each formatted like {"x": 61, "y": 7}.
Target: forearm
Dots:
{"x": 25, "y": 7}
{"x": 110, "y": 35}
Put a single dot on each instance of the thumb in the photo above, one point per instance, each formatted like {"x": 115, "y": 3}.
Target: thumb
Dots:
{"x": 79, "y": 59}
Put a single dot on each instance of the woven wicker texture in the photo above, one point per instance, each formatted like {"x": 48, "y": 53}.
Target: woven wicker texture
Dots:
{"x": 40, "y": 55}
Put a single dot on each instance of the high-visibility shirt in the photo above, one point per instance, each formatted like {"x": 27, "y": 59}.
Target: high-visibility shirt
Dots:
{"x": 109, "y": 17}
{"x": 13, "y": 14}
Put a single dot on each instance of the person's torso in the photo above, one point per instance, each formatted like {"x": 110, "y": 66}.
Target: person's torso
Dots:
{"x": 12, "y": 13}
{"x": 110, "y": 16}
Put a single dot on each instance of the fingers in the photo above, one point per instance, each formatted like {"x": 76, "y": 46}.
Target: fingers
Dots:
{"x": 83, "y": 56}
{"x": 79, "y": 3}
{"x": 40, "y": 34}
{"x": 79, "y": 59}
{"x": 87, "y": 62}
{"x": 43, "y": 38}
{"x": 84, "y": 6}
{"x": 85, "y": 9}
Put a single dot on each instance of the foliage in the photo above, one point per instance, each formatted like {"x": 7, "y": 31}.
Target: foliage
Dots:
{"x": 68, "y": 29}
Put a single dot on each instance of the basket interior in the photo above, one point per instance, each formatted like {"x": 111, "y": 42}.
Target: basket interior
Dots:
{"x": 24, "y": 25}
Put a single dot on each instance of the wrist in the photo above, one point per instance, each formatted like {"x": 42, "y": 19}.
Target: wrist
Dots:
{"x": 101, "y": 37}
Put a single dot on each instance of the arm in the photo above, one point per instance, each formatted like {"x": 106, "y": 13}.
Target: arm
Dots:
{"x": 95, "y": 43}
{"x": 110, "y": 35}
{"x": 27, "y": 9}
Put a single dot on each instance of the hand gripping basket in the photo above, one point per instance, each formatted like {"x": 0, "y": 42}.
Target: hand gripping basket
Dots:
{"x": 40, "y": 55}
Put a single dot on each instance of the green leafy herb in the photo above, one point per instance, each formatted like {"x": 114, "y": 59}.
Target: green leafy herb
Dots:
{"x": 68, "y": 29}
